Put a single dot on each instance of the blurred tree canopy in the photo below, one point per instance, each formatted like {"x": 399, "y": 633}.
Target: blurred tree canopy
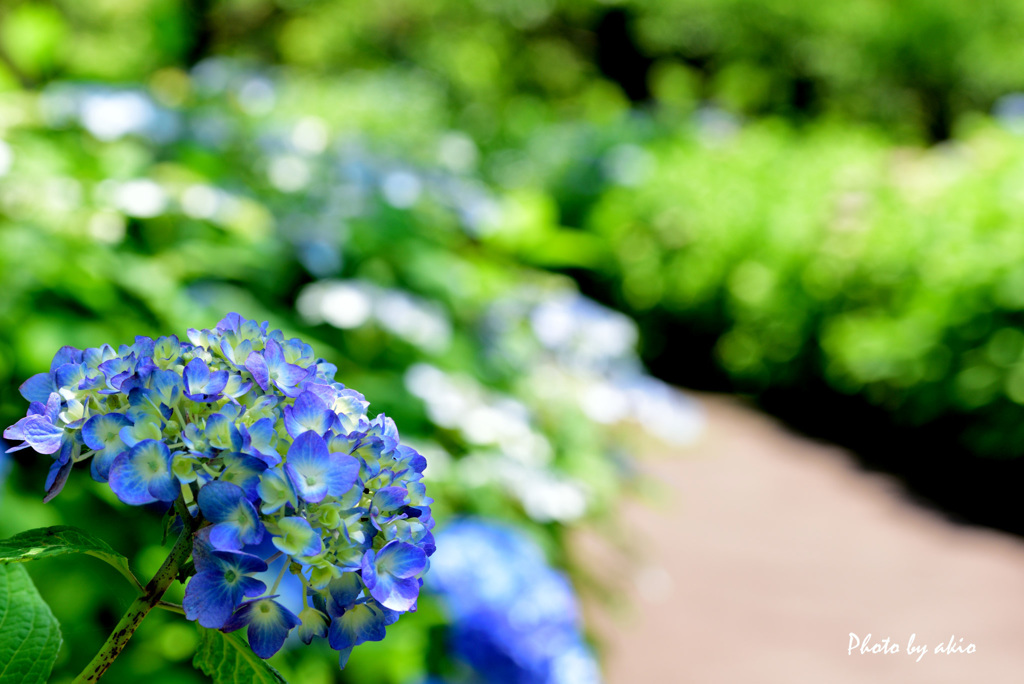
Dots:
{"x": 913, "y": 66}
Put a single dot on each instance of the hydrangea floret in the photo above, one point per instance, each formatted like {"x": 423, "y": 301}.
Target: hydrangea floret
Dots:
{"x": 247, "y": 436}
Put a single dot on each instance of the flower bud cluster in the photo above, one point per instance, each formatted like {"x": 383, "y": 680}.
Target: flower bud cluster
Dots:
{"x": 256, "y": 437}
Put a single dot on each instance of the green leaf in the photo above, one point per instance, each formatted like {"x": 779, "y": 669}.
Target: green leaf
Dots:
{"x": 58, "y": 541}
{"x": 227, "y": 659}
{"x": 29, "y": 634}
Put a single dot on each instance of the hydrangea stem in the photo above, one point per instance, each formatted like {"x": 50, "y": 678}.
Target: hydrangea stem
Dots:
{"x": 151, "y": 597}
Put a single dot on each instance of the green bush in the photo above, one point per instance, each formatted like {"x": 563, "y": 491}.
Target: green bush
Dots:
{"x": 915, "y": 65}
{"x": 893, "y": 273}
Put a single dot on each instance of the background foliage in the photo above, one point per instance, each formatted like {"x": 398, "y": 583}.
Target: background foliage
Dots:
{"x": 814, "y": 204}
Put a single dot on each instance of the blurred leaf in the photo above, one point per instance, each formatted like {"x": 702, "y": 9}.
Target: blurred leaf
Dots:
{"x": 59, "y": 541}
{"x": 229, "y": 660}
{"x": 33, "y": 35}
{"x": 29, "y": 634}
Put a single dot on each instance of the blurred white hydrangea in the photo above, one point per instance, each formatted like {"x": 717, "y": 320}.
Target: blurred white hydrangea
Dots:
{"x": 109, "y": 113}
{"x": 353, "y": 303}
{"x": 566, "y": 345}
{"x": 519, "y": 457}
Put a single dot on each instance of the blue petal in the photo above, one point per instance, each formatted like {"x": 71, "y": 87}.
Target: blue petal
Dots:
{"x": 218, "y": 500}
{"x": 243, "y": 471}
{"x": 369, "y": 568}
{"x": 16, "y": 432}
{"x": 38, "y": 387}
{"x": 244, "y": 563}
{"x": 209, "y": 599}
{"x": 250, "y": 586}
{"x": 411, "y": 458}
{"x": 308, "y": 414}
{"x": 262, "y": 431}
{"x": 326, "y": 370}
{"x": 389, "y": 499}
{"x": 351, "y": 409}
{"x": 326, "y": 393}
{"x": 401, "y": 560}
{"x": 165, "y": 488}
{"x": 307, "y": 465}
{"x": 256, "y": 365}
{"x": 358, "y": 624}
{"x": 128, "y": 483}
{"x": 385, "y": 428}
{"x": 65, "y": 355}
{"x": 290, "y": 379}
{"x": 69, "y": 375}
{"x": 261, "y": 435}
{"x": 103, "y": 430}
{"x": 236, "y": 521}
{"x": 298, "y": 352}
{"x": 43, "y": 435}
{"x": 102, "y": 461}
{"x": 56, "y": 478}
{"x": 273, "y": 354}
{"x": 146, "y": 407}
{"x": 117, "y": 367}
{"x": 343, "y": 592}
{"x": 397, "y": 594}
{"x": 218, "y": 381}
{"x": 269, "y": 623}
{"x": 144, "y": 346}
{"x": 202, "y": 551}
{"x": 197, "y": 337}
{"x": 241, "y": 353}
{"x": 168, "y": 385}
{"x": 236, "y": 386}
{"x": 201, "y": 384}
{"x": 94, "y": 356}
{"x": 52, "y": 408}
{"x": 342, "y": 475}
{"x": 232, "y": 322}
{"x": 196, "y": 375}
{"x": 147, "y": 462}
{"x": 226, "y": 535}
{"x": 428, "y": 544}
{"x": 91, "y": 382}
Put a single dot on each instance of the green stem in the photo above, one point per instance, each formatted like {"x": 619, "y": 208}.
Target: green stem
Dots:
{"x": 172, "y": 607}
{"x": 280, "y": 576}
{"x": 181, "y": 508}
{"x": 141, "y": 606}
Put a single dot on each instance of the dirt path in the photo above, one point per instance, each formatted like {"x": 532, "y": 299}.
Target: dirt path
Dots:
{"x": 764, "y": 550}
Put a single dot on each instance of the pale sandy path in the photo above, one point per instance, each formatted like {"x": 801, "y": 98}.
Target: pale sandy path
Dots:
{"x": 764, "y": 550}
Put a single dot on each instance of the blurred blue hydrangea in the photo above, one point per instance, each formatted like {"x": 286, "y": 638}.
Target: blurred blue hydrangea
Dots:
{"x": 253, "y": 434}
{"x": 515, "y": 620}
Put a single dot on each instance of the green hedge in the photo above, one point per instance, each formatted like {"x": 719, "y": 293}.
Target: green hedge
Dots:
{"x": 896, "y": 274}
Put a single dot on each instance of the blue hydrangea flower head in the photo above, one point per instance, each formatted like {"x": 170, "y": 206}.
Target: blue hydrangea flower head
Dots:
{"x": 279, "y": 461}
{"x": 515, "y": 620}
